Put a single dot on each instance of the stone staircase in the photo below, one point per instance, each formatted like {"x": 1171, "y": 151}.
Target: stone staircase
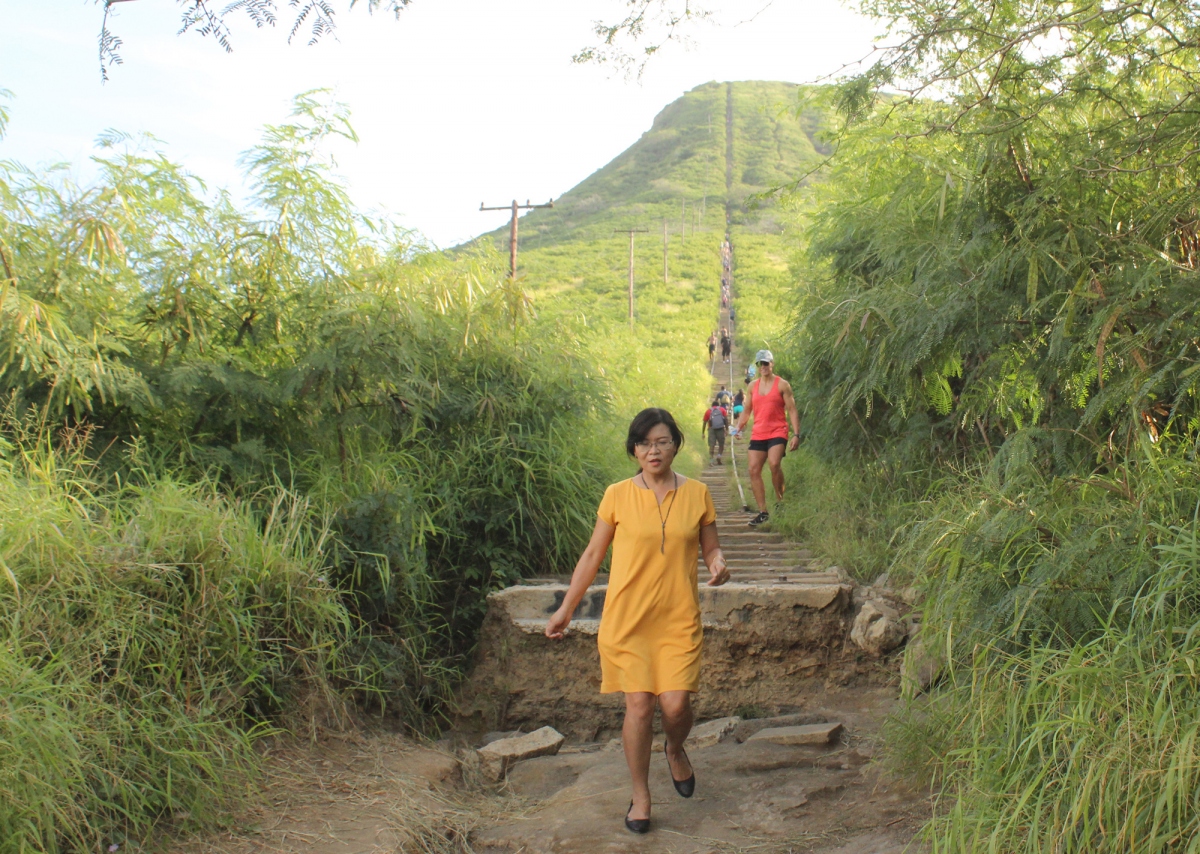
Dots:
{"x": 773, "y": 636}
{"x": 754, "y": 556}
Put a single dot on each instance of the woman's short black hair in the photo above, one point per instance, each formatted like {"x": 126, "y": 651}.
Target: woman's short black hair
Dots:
{"x": 647, "y": 420}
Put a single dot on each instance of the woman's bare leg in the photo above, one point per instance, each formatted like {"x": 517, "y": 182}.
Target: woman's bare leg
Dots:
{"x": 677, "y": 724}
{"x": 636, "y": 735}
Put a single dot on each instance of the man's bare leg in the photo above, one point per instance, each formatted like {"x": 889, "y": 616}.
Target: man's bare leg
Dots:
{"x": 757, "y": 459}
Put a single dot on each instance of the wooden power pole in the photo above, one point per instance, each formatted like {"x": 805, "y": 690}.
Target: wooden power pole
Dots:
{"x": 512, "y": 230}
{"x": 666, "y": 280}
{"x": 631, "y": 232}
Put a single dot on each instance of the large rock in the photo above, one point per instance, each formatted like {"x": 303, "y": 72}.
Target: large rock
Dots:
{"x": 706, "y": 734}
{"x": 712, "y": 732}
{"x": 878, "y": 629}
{"x": 922, "y": 667}
{"x": 496, "y": 758}
{"x": 749, "y": 727}
{"x": 794, "y": 735}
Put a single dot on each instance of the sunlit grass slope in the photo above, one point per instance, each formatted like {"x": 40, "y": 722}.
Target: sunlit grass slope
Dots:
{"x": 672, "y": 182}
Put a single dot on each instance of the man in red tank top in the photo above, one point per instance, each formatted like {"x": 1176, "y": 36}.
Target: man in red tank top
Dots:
{"x": 772, "y": 406}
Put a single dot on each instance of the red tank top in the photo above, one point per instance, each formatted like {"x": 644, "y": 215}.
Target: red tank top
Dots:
{"x": 769, "y": 420}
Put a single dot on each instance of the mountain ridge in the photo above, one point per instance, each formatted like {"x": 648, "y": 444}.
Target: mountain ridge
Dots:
{"x": 675, "y": 172}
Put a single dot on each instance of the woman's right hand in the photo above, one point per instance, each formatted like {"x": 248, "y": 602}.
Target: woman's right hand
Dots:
{"x": 556, "y": 626}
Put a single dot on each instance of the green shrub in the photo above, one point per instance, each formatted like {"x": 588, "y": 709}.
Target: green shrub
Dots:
{"x": 1090, "y": 746}
{"x": 849, "y": 513}
{"x": 151, "y": 632}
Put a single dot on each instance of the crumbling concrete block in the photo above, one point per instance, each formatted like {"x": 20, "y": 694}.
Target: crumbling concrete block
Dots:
{"x": 705, "y": 735}
{"x": 795, "y": 735}
{"x": 878, "y": 629}
{"x": 922, "y": 667}
{"x": 712, "y": 732}
{"x": 496, "y": 758}
{"x": 748, "y": 728}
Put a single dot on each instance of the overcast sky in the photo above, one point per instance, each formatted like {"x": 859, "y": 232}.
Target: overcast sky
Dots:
{"x": 458, "y": 102}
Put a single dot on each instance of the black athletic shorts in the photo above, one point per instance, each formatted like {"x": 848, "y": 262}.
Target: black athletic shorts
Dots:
{"x": 767, "y": 444}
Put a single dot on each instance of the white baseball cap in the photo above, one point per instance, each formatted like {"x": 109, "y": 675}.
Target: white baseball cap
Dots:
{"x": 764, "y": 356}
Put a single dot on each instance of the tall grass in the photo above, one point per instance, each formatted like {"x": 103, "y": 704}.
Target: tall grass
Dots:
{"x": 1091, "y": 747}
{"x": 854, "y": 515}
{"x": 151, "y": 631}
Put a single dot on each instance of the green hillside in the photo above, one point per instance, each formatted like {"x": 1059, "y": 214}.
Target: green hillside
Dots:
{"x": 704, "y": 158}
{"x": 681, "y": 162}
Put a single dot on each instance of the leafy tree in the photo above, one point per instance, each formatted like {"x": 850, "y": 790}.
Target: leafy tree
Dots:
{"x": 997, "y": 316}
{"x": 208, "y": 19}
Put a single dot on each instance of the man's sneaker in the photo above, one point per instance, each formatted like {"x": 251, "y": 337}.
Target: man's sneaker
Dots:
{"x": 759, "y": 519}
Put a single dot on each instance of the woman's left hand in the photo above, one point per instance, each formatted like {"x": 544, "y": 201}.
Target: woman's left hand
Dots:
{"x": 719, "y": 572}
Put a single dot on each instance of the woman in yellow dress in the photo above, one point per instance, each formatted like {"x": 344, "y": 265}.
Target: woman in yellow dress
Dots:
{"x": 650, "y": 632}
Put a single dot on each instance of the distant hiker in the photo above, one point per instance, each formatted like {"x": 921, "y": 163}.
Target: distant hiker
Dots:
{"x": 738, "y": 397}
{"x": 770, "y": 399}
{"x": 712, "y": 345}
{"x": 738, "y": 405}
{"x": 724, "y": 398}
{"x": 650, "y": 633}
{"x": 732, "y": 314}
{"x": 751, "y": 373}
{"x": 726, "y": 344}
{"x": 716, "y": 419}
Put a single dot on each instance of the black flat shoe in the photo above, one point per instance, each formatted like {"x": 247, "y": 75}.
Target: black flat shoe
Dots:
{"x": 636, "y": 825}
{"x": 686, "y": 788}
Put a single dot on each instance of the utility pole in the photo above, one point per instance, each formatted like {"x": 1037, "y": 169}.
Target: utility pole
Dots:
{"x": 666, "y": 281}
{"x": 512, "y": 230}
{"x": 682, "y": 222}
{"x": 631, "y": 232}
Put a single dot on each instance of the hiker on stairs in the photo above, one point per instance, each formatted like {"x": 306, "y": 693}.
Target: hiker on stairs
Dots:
{"x": 769, "y": 400}
{"x": 716, "y": 419}
{"x": 650, "y": 636}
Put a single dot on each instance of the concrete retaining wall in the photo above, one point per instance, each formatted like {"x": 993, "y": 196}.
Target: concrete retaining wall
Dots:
{"x": 767, "y": 646}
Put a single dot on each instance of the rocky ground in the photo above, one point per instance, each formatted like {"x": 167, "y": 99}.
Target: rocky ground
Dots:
{"x": 751, "y": 795}
{"x": 371, "y": 793}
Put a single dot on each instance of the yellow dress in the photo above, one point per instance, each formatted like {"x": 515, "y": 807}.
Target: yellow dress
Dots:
{"x": 650, "y": 633}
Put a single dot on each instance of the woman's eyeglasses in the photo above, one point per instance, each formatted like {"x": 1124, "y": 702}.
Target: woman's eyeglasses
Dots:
{"x": 764, "y": 363}
{"x": 663, "y": 445}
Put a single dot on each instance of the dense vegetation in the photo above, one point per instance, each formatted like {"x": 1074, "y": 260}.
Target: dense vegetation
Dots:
{"x": 260, "y": 463}
{"x": 253, "y": 462}
{"x": 995, "y": 333}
